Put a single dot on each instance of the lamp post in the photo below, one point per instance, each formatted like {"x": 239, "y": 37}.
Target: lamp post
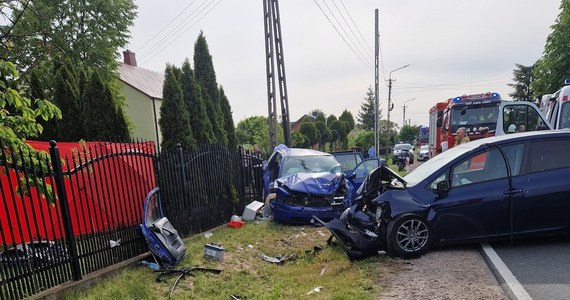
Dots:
{"x": 390, "y": 105}
{"x": 404, "y": 111}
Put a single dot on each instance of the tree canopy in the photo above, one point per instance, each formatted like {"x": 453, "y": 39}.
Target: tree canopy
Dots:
{"x": 174, "y": 118}
{"x": 554, "y": 67}
{"x": 47, "y": 31}
{"x": 523, "y": 77}
{"x": 366, "y": 113}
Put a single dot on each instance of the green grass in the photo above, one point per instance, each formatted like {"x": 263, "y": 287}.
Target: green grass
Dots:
{"x": 245, "y": 275}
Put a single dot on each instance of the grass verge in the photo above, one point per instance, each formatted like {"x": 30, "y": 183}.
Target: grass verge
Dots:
{"x": 246, "y": 276}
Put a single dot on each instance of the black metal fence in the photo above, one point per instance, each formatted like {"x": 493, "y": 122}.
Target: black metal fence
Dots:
{"x": 64, "y": 216}
{"x": 77, "y": 209}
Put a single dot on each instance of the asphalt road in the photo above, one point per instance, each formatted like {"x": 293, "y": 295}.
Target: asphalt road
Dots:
{"x": 541, "y": 265}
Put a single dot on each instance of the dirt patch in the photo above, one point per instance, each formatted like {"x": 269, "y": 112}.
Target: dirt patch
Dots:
{"x": 445, "y": 273}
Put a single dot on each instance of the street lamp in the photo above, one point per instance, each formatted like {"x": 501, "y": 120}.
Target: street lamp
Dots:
{"x": 404, "y": 111}
{"x": 390, "y": 105}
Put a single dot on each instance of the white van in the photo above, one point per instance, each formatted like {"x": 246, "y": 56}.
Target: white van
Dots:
{"x": 558, "y": 107}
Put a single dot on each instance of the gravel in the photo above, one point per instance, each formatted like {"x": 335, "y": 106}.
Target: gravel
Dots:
{"x": 443, "y": 273}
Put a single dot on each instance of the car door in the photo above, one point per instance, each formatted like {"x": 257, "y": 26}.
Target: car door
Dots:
{"x": 477, "y": 204}
{"x": 270, "y": 172}
{"x": 543, "y": 203}
{"x": 163, "y": 240}
{"x": 361, "y": 171}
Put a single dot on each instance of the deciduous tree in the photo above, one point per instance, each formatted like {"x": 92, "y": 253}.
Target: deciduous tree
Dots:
{"x": 554, "y": 67}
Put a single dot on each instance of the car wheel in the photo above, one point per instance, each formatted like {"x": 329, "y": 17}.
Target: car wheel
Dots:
{"x": 409, "y": 237}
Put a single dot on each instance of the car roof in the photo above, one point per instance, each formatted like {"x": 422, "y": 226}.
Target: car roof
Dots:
{"x": 294, "y": 152}
{"x": 523, "y": 136}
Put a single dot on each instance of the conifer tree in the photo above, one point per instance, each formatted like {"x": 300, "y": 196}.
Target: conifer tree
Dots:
{"x": 199, "y": 121}
{"x": 37, "y": 92}
{"x": 206, "y": 76}
{"x": 102, "y": 120}
{"x": 174, "y": 117}
{"x": 228, "y": 119}
{"x": 66, "y": 97}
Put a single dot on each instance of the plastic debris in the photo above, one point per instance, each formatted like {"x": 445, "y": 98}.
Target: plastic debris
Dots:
{"x": 279, "y": 259}
{"x": 315, "y": 290}
{"x": 150, "y": 265}
{"x": 208, "y": 235}
{"x": 321, "y": 233}
{"x": 114, "y": 244}
{"x": 250, "y": 246}
{"x": 322, "y": 271}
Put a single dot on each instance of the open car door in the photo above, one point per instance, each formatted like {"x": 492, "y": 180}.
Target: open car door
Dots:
{"x": 361, "y": 172}
{"x": 163, "y": 240}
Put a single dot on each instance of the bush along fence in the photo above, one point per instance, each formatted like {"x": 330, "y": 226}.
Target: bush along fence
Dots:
{"x": 74, "y": 208}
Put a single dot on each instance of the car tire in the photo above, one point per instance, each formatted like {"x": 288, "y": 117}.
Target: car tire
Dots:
{"x": 409, "y": 237}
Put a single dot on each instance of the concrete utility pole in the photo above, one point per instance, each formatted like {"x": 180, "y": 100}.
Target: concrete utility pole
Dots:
{"x": 376, "y": 100}
{"x": 390, "y": 105}
{"x": 404, "y": 111}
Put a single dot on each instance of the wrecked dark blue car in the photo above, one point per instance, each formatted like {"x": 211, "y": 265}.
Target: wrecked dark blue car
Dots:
{"x": 304, "y": 182}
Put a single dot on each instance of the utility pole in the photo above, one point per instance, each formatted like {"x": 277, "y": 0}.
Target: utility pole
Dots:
{"x": 390, "y": 104}
{"x": 376, "y": 100}
{"x": 404, "y": 110}
{"x": 272, "y": 25}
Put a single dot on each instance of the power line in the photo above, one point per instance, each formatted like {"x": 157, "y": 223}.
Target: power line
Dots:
{"x": 183, "y": 23}
{"x": 351, "y": 48}
{"x": 346, "y": 33}
{"x": 166, "y": 26}
{"x": 367, "y": 47}
{"x": 188, "y": 28}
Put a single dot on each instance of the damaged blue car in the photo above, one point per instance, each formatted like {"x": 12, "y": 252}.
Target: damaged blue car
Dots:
{"x": 302, "y": 183}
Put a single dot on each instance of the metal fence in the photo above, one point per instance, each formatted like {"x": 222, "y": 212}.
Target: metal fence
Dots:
{"x": 202, "y": 188}
{"x": 64, "y": 216}
{"x": 77, "y": 209}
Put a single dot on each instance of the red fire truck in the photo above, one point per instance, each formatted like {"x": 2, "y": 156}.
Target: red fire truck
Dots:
{"x": 477, "y": 111}
{"x": 436, "y": 124}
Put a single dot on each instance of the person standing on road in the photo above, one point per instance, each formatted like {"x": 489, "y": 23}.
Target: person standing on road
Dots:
{"x": 461, "y": 137}
{"x": 371, "y": 152}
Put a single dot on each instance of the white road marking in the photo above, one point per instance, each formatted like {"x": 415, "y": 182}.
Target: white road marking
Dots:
{"x": 510, "y": 281}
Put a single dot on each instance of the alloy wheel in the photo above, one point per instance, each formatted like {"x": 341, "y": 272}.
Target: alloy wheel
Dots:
{"x": 412, "y": 235}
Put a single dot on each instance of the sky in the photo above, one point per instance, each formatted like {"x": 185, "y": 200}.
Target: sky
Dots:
{"x": 452, "y": 48}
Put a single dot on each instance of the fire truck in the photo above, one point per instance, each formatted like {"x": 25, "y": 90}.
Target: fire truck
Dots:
{"x": 478, "y": 111}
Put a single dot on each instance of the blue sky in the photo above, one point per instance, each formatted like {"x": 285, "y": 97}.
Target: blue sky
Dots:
{"x": 452, "y": 47}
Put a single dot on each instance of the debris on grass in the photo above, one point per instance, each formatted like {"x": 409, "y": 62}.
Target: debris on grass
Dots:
{"x": 315, "y": 290}
{"x": 279, "y": 259}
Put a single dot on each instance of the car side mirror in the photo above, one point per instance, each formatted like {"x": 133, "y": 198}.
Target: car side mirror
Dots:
{"x": 443, "y": 187}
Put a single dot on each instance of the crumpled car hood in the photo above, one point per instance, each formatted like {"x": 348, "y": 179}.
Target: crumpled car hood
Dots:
{"x": 323, "y": 183}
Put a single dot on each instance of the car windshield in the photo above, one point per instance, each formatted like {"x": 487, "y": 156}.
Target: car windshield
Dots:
{"x": 310, "y": 164}
{"x": 403, "y": 146}
{"x": 434, "y": 164}
{"x": 424, "y": 148}
{"x": 475, "y": 116}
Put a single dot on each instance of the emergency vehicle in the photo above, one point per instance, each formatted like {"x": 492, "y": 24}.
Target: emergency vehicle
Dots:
{"x": 556, "y": 107}
{"x": 478, "y": 111}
